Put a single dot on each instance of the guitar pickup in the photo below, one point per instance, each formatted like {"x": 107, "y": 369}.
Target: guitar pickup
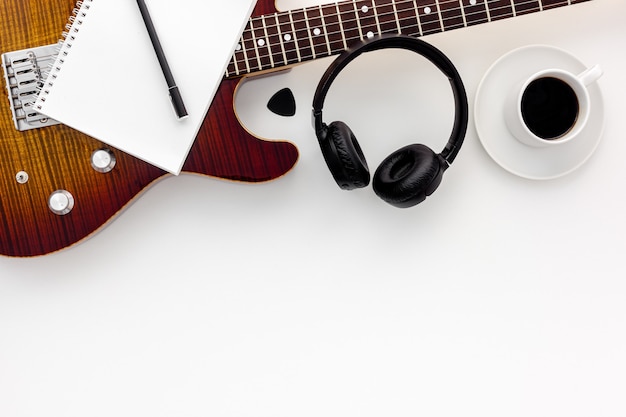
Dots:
{"x": 24, "y": 73}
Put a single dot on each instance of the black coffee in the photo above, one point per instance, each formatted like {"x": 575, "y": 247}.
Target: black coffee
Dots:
{"x": 549, "y": 107}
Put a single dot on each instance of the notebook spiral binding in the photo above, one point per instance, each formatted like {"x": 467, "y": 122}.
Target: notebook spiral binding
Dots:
{"x": 64, "y": 45}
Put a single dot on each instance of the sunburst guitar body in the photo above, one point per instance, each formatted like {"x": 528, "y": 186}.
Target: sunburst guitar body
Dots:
{"x": 34, "y": 164}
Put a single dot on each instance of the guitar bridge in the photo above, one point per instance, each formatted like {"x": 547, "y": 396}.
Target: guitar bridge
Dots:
{"x": 24, "y": 76}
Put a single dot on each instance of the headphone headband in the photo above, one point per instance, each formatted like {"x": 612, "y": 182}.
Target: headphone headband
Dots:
{"x": 428, "y": 51}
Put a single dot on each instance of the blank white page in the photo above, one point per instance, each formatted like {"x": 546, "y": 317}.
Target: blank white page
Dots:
{"x": 110, "y": 86}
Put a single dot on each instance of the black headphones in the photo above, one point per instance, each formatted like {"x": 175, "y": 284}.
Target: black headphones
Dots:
{"x": 411, "y": 173}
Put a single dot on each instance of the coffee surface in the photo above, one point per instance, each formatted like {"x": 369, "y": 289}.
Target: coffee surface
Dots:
{"x": 549, "y": 107}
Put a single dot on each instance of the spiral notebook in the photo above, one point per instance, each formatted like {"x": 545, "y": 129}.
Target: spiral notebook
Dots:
{"x": 107, "y": 83}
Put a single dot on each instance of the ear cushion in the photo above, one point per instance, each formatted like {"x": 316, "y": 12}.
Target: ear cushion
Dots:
{"x": 408, "y": 175}
{"x": 344, "y": 157}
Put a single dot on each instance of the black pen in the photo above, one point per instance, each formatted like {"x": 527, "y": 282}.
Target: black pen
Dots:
{"x": 177, "y": 100}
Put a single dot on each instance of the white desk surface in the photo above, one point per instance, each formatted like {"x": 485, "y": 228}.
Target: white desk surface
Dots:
{"x": 498, "y": 296}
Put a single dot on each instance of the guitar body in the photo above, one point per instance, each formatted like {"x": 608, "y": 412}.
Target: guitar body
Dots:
{"x": 59, "y": 158}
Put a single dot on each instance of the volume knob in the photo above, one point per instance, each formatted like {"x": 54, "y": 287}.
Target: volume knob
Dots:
{"x": 61, "y": 202}
{"x": 103, "y": 160}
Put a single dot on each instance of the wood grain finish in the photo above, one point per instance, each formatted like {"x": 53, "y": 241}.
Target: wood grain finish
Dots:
{"x": 58, "y": 157}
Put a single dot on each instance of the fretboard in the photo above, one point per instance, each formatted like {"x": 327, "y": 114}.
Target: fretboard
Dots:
{"x": 285, "y": 38}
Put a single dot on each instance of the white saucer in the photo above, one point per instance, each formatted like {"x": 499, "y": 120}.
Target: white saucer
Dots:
{"x": 517, "y": 158}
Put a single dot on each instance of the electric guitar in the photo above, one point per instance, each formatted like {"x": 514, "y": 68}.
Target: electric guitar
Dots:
{"x": 58, "y": 186}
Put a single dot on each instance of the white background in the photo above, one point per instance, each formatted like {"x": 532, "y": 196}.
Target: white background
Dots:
{"x": 498, "y": 296}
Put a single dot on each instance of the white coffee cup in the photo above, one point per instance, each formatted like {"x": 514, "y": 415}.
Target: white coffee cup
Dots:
{"x": 551, "y": 107}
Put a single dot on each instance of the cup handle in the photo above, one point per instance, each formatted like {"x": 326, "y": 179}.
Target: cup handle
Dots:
{"x": 590, "y": 75}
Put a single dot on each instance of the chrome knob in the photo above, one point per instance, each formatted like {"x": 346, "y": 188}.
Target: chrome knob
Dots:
{"x": 61, "y": 202}
{"x": 103, "y": 160}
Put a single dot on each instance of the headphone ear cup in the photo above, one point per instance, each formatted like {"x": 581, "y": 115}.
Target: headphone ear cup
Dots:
{"x": 344, "y": 157}
{"x": 408, "y": 175}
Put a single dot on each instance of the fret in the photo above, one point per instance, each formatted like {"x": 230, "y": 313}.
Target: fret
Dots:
{"x": 263, "y": 55}
{"x": 358, "y": 21}
{"x": 317, "y": 32}
{"x": 463, "y": 17}
{"x": 250, "y": 51}
{"x": 349, "y": 21}
{"x": 366, "y": 18}
{"x": 274, "y": 42}
{"x": 244, "y": 50}
{"x": 428, "y": 13}
{"x": 286, "y": 30}
{"x": 500, "y": 9}
{"x": 375, "y": 12}
{"x": 308, "y": 32}
{"x": 451, "y": 14}
{"x": 440, "y": 17}
{"x": 276, "y": 32}
{"x": 406, "y": 15}
{"x": 325, "y": 30}
{"x": 388, "y": 19}
{"x": 414, "y": 8}
{"x": 334, "y": 28}
{"x": 237, "y": 65}
{"x": 397, "y": 17}
{"x": 263, "y": 45}
{"x": 301, "y": 33}
{"x": 476, "y": 11}
{"x": 526, "y": 6}
{"x": 343, "y": 31}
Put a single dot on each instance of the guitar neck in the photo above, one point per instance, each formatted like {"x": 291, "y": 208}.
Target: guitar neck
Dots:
{"x": 281, "y": 39}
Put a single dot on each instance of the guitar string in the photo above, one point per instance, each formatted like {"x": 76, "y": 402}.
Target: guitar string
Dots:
{"x": 416, "y": 25}
{"x": 411, "y": 9}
